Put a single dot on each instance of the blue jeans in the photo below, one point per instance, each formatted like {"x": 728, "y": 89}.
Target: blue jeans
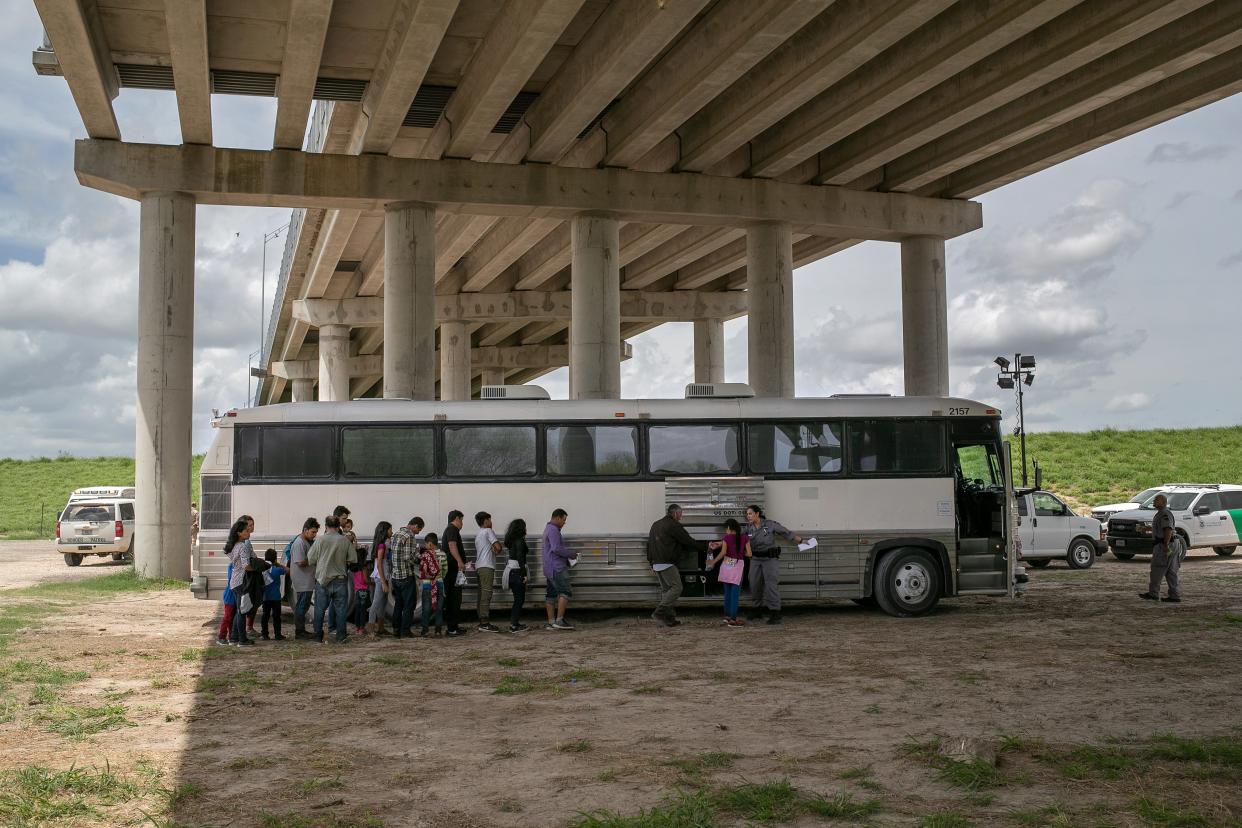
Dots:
{"x": 336, "y": 593}
{"x": 732, "y": 595}
{"x": 300, "y": 608}
{"x": 404, "y": 591}
{"x": 237, "y": 631}
{"x": 439, "y": 585}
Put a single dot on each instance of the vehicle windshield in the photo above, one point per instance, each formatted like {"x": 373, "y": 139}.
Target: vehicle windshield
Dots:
{"x": 88, "y": 512}
{"x": 1142, "y": 496}
{"x": 1177, "y": 500}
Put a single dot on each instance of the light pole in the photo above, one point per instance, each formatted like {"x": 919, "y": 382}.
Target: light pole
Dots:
{"x": 1022, "y": 373}
{"x": 267, "y": 237}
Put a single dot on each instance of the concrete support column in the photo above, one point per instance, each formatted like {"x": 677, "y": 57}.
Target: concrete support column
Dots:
{"x": 334, "y": 363}
{"x": 595, "y": 309}
{"x": 409, "y": 301}
{"x": 709, "y": 350}
{"x": 165, "y": 386}
{"x": 924, "y": 317}
{"x": 494, "y": 376}
{"x": 303, "y": 390}
{"x": 770, "y": 334}
{"x": 454, "y": 361}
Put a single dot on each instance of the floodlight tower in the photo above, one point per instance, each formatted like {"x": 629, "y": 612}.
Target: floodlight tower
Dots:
{"x": 1022, "y": 373}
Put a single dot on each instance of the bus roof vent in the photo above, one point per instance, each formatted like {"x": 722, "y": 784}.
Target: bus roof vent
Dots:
{"x": 513, "y": 392}
{"x": 718, "y": 391}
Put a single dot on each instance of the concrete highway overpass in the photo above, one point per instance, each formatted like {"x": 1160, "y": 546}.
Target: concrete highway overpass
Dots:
{"x": 485, "y": 191}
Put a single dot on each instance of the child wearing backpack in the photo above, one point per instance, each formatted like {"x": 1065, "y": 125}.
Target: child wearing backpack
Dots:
{"x": 432, "y": 564}
{"x": 273, "y": 593}
{"x": 733, "y": 552}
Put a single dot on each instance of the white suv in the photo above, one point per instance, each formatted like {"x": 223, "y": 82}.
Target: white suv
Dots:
{"x": 1103, "y": 513}
{"x": 1206, "y": 516}
{"x": 98, "y": 521}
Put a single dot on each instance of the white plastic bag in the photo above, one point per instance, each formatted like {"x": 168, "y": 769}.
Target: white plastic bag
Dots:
{"x": 244, "y": 604}
{"x": 461, "y": 579}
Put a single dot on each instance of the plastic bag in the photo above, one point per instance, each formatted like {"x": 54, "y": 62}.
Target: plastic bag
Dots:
{"x": 461, "y": 579}
{"x": 244, "y": 604}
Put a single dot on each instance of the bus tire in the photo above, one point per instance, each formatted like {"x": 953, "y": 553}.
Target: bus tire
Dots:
{"x": 1081, "y": 554}
{"x": 73, "y": 559}
{"x": 1122, "y": 556}
{"x": 1224, "y": 551}
{"x": 907, "y": 582}
{"x": 1038, "y": 563}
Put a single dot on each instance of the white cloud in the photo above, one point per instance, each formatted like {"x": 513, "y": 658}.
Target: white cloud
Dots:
{"x": 1129, "y": 402}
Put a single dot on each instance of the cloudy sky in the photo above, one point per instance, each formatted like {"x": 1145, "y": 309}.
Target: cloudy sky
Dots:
{"x": 1121, "y": 270}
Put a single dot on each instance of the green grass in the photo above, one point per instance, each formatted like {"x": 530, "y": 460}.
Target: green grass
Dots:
{"x": 1108, "y": 466}
{"x": 291, "y": 820}
{"x": 971, "y": 776}
{"x": 315, "y": 785}
{"x": 576, "y": 746}
{"x": 509, "y": 661}
{"x": 36, "y": 795}
{"x": 78, "y": 721}
{"x": 27, "y": 484}
{"x": 691, "y": 765}
{"x": 119, "y": 582}
{"x": 945, "y": 819}
{"x": 680, "y": 810}
{"x": 1159, "y": 814}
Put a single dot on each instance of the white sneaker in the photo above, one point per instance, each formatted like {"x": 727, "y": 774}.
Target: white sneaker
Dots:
{"x": 561, "y": 624}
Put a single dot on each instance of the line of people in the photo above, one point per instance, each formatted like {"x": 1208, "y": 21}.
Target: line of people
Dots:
{"x": 348, "y": 581}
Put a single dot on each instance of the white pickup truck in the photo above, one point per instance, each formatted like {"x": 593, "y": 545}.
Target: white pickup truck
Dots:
{"x": 1049, "y": 530}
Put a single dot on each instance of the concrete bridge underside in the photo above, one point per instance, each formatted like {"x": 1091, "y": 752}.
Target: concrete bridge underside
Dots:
{"x": 575, "y": 172}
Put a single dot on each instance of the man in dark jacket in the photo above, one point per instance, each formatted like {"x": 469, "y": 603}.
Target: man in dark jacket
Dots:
{"x": 666, "y": 544}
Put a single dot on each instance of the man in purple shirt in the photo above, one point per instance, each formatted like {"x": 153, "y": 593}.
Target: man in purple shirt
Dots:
{"x": 555, "y": 558}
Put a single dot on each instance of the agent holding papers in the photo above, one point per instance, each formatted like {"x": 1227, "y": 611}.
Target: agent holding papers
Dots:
{"x": 765, "y": 565}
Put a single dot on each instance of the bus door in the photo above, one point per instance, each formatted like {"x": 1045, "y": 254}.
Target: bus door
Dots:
{"x": 980, "y": 507}
{"x": 706, "y": 503}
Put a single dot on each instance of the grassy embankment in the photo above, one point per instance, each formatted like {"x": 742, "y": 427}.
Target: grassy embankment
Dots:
{"x": 25, "y": 485}
{"x": 1094, "y": 467}
{"x": 1086, "y": 467}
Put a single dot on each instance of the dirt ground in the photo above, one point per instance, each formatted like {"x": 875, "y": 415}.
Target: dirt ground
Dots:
{"x": 1057, "y": 697}
{"x": 26, "y": 563}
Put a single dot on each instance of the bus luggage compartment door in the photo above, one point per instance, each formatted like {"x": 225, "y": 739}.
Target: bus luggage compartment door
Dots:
{"x": 706, "y": 503}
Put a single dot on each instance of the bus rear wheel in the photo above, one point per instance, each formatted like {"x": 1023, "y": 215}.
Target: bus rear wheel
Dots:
{"x": 73, "y": 559}
{"x": 907, "y": 583}
{"x": 1224, "y": 551}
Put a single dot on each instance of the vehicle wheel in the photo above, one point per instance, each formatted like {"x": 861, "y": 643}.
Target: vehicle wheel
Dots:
{"x": 869, "y": 602}
{"x": 1081, "y": 554}
{"x": 73, "y": 559}
{"x": 118, "y": 556}
{"x": 1122, "y": 556}
{"x": 907, "y": 583}
{"x": 1224, "y": 551}
{"x": 1038, "y": 563}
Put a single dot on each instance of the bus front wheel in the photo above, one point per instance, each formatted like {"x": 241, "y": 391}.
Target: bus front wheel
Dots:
{"x": 907, "y": 583}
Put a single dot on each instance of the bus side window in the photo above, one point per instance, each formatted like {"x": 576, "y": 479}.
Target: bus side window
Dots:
{"x": 592, "y": 450}
{"x": 795, "y": 448}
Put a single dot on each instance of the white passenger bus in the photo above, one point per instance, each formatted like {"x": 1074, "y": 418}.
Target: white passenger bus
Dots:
{"x": 909, "y": 498}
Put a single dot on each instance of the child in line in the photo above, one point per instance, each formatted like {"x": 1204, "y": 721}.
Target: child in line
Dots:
{"x": 432, "y": 564}
{"x": 362, "y": 592}
{"x": 273, "y": 594}
{"x": 734, "y": 550}
{"x": 229, "y": 602}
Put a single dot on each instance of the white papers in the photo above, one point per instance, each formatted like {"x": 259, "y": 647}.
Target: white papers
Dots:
{"x": 573, "y": 561}
{"x": 807, "y": 545}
